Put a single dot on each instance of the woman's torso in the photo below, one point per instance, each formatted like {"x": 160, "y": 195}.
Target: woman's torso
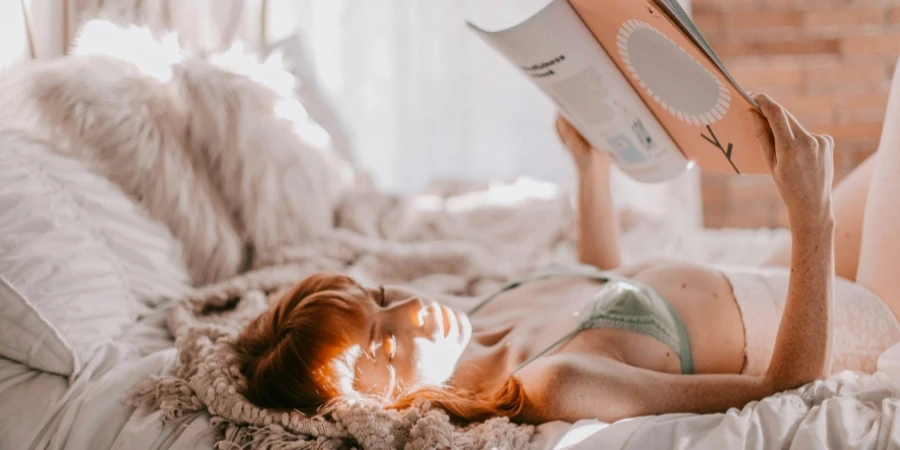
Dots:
{"x": 536, "y": 314}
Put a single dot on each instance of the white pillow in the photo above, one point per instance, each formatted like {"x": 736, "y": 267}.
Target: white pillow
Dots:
{"x": 79, "y": 261}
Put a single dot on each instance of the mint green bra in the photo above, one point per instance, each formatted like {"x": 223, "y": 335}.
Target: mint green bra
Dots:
{"x": 621, "y": 304}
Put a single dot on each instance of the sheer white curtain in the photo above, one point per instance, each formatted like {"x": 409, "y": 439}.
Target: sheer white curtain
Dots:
{"x": 423, "y": 97}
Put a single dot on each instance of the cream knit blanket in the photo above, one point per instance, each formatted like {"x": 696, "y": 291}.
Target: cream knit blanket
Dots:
{"x": 220, "y": 150}
{"x": 444, "y": 247}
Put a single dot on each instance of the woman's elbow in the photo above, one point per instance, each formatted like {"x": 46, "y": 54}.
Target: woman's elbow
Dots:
{"x": 796, "y": 380}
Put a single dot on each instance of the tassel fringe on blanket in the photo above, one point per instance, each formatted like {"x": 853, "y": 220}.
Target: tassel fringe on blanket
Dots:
{"x": 206, "y": 378}
{"x": 257, "y": 205}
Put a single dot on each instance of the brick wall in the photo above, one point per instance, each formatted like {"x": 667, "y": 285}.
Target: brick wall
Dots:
{"x": 829, "y": 62}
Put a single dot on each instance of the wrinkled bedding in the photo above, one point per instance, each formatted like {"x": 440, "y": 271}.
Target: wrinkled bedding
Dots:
{"x": 846, "y": 411}
{"x": 42, "y": 410}
{"x": 451, "y": 239}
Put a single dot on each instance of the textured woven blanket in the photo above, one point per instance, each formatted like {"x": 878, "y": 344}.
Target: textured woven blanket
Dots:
{"x": 464, "y": 244}
{"x": 220, "y": 149}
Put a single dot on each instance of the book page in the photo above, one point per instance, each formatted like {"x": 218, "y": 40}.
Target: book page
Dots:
{"x": 559, "y": 54}
{"x": 703, "y": 111}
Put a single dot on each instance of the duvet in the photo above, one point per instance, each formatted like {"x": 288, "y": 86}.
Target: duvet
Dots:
{"x": 40, "y": 410}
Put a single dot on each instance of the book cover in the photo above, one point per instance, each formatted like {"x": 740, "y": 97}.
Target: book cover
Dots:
{"x": 706, "y": 115}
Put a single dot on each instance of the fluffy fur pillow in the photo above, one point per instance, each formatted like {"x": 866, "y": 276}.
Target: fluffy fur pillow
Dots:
{"x": 246, "y": 169}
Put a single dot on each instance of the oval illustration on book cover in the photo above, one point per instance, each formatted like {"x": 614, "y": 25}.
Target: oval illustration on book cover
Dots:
{"x": 671, "y": 76}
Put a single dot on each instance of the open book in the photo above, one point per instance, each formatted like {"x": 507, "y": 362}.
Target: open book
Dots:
{"x": 637, "y": 79}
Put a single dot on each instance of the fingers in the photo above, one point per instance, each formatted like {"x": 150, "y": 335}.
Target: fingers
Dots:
{"x": 826, "y": 146}
{"x": 569, "y": 135}
{"x": 562, "y": 125}
{"x": 764, "y": 137}
{"x": 778, "y": 120}
{"x": 796, "y": 128}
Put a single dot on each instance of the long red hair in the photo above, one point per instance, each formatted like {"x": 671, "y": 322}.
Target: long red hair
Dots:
{"x": 291, "y": 356}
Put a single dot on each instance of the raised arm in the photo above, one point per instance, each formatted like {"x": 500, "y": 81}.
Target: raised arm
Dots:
{"x": 598, "y": 234}
{"x": 801, "y": 164}
{"x": 571, "y": 388}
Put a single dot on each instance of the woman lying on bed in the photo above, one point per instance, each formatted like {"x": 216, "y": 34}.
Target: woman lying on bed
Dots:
{"x": 606, "y": 341}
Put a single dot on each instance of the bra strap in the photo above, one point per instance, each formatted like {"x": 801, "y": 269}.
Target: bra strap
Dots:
{"x": 551, "y": 347}
{"x": 551, "y": 271}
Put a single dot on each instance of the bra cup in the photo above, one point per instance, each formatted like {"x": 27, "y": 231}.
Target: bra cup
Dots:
{"x": 617, "y": 299}
{"x": 622, "y": 304}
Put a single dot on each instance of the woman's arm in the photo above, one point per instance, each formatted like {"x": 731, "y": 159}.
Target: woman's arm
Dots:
{"x": 571, "y": 387}
{"x": 576, "y": 387}
{"x": 598, "y": 235}
{"x": 801, "y": 165}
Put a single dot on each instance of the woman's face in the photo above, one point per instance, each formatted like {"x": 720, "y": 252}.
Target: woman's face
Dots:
{"x": 407, "y": 340}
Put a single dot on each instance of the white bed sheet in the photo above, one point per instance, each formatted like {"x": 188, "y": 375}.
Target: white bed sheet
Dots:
{"x": 846, "y": 411}
{"x": 41, "y": 410}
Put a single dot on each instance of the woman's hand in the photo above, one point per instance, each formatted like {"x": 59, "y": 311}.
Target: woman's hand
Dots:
{"x": 800, "y": 162}
{"x": 584, "y": 155}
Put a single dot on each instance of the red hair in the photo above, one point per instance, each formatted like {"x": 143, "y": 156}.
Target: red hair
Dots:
{"x": 290, "y": 356}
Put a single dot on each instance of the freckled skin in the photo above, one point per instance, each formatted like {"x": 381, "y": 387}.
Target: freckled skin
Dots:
{"x": 613, "y": 374}
{"x": 566, "y": 387}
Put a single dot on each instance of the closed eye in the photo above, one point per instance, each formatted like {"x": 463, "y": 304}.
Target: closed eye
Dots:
{"x": 381, "y": 288}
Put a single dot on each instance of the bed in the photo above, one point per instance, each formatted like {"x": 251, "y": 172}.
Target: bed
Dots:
{"x": 44, "y": 410}
{"x": 96, "y": 253}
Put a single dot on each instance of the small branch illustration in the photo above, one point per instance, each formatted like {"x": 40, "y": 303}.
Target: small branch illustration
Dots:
{"x": 715, "y": 142}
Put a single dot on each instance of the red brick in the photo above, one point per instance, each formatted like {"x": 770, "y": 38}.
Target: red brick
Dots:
{"x": 811, "y": 46}
{"x": 829, "y": 4}
{"x": 764, "y": 75}
{"x": 730, "y": 49}
{"x": 772, "y": 91}
{"x": 812, "y": 119}
{"x": 808, "y": 103}
{"x": 830, "y": 62}
{"x": 762, "y": 19}
{"x": 894, "y": 15}
{"x": 781, "y": 218}
{"x": 810, "y": 110}
{"x": 869, "y": 73}
{"x": 845, "y": 17}
{"x": 843, "y": 165}
{"x": 844, "y": 116}
{"x": 885, "y": 44}
{"x": 757, "y": 215}
{"x": 853, "y": 131}
{"x": 708, "y": 22}
{"x": 803, "y": 46}
{"x": 846, "y": 89}
{"x": 718, "y": 5}
{"x": 715, "y": 189}
{"x": 866, "y": 102}
{"x": 865, "y": 108}
{"x": 855, "y": 157}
